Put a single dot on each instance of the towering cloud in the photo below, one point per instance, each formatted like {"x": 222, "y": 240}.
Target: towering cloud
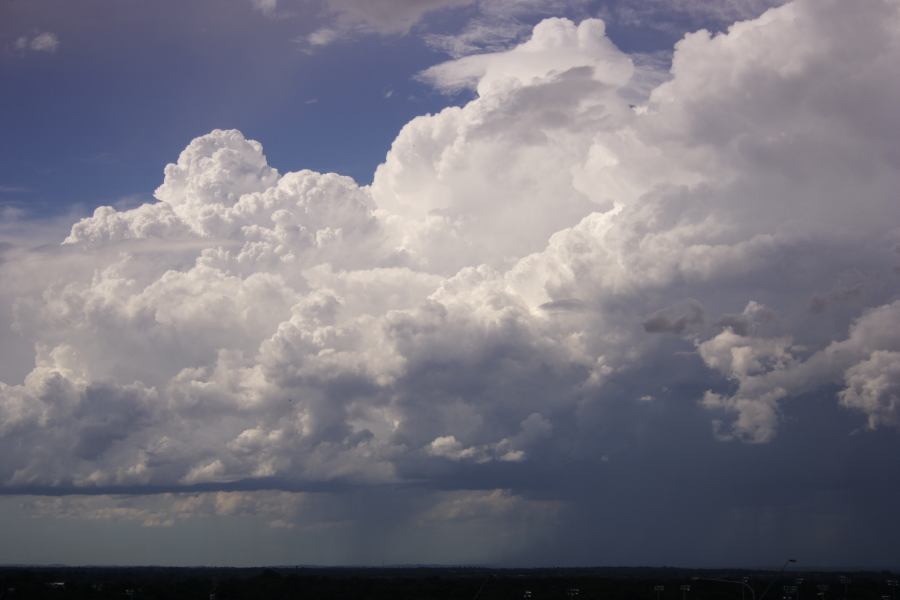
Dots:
{"x": 530, "y": 281}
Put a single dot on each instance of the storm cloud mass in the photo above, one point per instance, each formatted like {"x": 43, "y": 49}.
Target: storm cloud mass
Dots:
{"x": 574, "y": 321}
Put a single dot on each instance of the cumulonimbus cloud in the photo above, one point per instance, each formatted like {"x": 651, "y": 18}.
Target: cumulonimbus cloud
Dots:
{"x": 516, "y": 262}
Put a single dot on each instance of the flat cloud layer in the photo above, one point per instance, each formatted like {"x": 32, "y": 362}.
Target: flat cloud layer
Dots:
{"x": 535, "y": 285}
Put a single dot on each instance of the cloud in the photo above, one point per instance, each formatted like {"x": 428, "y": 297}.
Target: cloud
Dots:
{"x": 266, "y": 7}
{"x": 510, "y": 449}
{"x": 873, "y": 386}
{"x": 346, "y": 18}
{"x": 486, "y": 315}
{"x": 769, "y": 369}
{"x": 323, "y": 36}
{"x": 500, "y": 24}
{"x": 44, "y": 41}
{"x": 167, "y": 510}
{"x": 478, "y": 36}
{"x": 677, "y": 319}
{"x": 491, "y": 504}
{"x": 555, "y": 47}
{"x": 389, "y": 16}
{"x": 670, "y": 15}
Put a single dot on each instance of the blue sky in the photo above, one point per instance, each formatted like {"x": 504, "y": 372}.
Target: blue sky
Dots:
{"x": 95, "y": 120}
{"x": 107, "y": 110}
{"x": 508, "y": 282}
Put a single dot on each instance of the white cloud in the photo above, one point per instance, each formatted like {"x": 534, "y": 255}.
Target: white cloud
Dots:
{"x": 873, "y": 386}
{"x": 266, "y": 7}
{"x": 767, "y": 371}
{"x": 518, "y": 265}
{"x": 323, "y": 36}
{"x": 44, "y": 41}
{"x": 510, "y": 449}
{"x": 491, "y": 504}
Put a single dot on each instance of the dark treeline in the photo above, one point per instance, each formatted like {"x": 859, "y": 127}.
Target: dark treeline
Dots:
{"x": 425, "y": 583}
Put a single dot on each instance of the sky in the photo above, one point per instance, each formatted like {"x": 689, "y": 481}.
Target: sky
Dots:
{"x": 489, "y": 282}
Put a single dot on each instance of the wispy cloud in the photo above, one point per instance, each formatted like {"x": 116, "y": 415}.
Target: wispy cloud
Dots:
{"x": 346, "y": 19}
{"x": 44, "y": 41}
{"x": 267, "y": 7}
{"x": 13, "y": 189}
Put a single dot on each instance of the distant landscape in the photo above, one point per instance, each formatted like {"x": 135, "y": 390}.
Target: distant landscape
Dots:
{"x": 426, "y": 583}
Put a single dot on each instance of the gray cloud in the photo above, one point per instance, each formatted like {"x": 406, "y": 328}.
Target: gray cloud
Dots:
{"x": 677, "y": 319}
{"x": 348, "y": 18}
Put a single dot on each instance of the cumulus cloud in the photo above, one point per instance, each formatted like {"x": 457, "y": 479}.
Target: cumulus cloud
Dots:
{"x": 676, "y": 319}
{"x": 555, "y": 47}
{"x": 873, "y": 386}
{"x": 389, "y": 16}
{"x": 479, "y": 312}
{"x": 769, "y": 369}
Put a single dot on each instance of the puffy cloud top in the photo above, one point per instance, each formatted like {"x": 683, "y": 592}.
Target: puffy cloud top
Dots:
{"x": 556, "y": 46}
